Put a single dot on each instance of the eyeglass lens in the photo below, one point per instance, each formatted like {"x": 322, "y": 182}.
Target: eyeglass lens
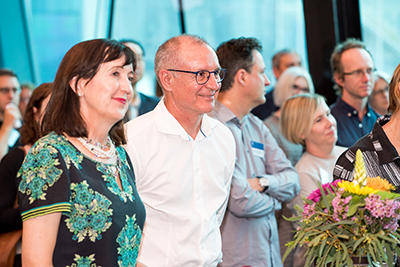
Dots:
{"x": 298, "y": 88}
{"x": 203, "y": 76}
{"x": 8, "y": 90}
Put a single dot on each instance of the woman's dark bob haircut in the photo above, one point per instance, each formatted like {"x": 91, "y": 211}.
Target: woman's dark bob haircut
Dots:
{"x": 82, "y": 61}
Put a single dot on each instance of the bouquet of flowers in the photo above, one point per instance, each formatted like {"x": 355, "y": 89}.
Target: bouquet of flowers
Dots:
{"x": 346, "y": 220}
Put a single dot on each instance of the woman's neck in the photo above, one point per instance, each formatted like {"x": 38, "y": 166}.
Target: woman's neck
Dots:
{"x": 324, "y": 151}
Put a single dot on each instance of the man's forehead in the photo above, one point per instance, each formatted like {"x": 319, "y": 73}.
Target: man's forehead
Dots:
{"x": 355, "y": 57}
{"x": 8, "y": 81}
{"x": 290, "y": 59}
{"x": 258, "y": 58}
{"x": 200, "y": 56}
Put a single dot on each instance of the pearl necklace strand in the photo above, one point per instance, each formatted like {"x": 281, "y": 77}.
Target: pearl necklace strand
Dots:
{"x": 98, "y": 149}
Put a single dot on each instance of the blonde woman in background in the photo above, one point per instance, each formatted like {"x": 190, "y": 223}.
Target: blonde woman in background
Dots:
{"x": 306, "y": 120}
{"x": 293, "y": 81}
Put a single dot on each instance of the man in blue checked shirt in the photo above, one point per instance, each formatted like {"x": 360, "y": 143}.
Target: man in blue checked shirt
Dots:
{"x": 263, "y": 176}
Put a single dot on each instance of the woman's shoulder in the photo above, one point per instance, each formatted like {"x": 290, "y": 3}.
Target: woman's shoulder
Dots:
{"x": 50, "y": 139}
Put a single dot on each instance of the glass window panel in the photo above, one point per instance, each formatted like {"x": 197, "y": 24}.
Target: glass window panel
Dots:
{"x": 56, "y": 26}
{"x": 277, "y": 24}
{"x": 150, "y": 23}
{"x": 380, "y": 25}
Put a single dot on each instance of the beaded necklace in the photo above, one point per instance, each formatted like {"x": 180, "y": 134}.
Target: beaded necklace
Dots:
{"x": 98, "y": 149}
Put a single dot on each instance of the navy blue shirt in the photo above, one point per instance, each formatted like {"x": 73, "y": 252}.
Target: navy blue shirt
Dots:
{"x": 349, "y": 126}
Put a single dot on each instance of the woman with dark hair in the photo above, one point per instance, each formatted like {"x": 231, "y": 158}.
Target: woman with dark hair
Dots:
{"x": 77, "y": 191}
{"x": 10, "y": 217}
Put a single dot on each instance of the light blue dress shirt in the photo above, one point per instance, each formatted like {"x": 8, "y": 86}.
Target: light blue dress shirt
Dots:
{"x": 249, "y": 229}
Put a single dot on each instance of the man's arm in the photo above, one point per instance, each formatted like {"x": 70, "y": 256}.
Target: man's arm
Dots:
{"x": 284, "y": 183}
{"x": 246, "y": 202}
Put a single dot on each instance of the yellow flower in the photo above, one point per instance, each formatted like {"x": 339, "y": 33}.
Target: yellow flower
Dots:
{"x": 379, "y": 184}
{"x": 355, "y": 189}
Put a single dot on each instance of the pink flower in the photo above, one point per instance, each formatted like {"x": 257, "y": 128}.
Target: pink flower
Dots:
{"x": 316, "y": 194}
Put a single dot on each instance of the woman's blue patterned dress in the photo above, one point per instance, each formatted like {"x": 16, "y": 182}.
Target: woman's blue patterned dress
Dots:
{"x": 101, "y": 225}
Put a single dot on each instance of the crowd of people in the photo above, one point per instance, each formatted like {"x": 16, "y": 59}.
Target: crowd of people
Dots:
{"x": 96, "y": 173}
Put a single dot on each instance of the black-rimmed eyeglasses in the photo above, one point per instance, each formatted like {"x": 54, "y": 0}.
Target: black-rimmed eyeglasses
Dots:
{"x": 360, "y": 72}
{"x": 202, "y": 76}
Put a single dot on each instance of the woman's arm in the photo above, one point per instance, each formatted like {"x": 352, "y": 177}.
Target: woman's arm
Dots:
{"x": 39, "y": 237}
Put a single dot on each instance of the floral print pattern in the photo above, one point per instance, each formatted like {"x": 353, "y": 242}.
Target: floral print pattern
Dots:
{"x": 109, "y": 178}
{"x": 101, "y": 223}
{"x": 84, "y": 261}
{"x": 90, "y": 215}
{"x": 129, "y": 241}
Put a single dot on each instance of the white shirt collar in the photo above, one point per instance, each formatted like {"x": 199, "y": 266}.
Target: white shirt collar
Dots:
{"x": 166, "y": 123}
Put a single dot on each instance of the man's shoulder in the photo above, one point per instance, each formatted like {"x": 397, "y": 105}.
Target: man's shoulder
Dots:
{"x": 139, "y": 124}
{"x": 257, "y": 123}
{"x": 219, "y": 126}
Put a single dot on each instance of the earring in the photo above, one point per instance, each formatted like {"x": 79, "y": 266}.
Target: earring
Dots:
{"x": 79, "y": 94}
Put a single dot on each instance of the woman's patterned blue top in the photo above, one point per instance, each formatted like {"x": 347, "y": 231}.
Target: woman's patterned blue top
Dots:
{"x": 101, "y": 225}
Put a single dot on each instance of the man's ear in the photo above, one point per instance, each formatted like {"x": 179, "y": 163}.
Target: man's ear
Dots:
{"x": 338, "y": 79}
{"x": 241, "y": 77}
{"x": 165, "y": 79}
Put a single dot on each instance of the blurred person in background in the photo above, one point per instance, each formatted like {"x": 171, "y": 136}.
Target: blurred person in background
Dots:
{"x": 379, "y": 98}
{"x": 10, "y": 116}
{"x": 10, "y": 217}
{"x": 380, "y": 148}
{"x": 24, "y": 95}
{"x": 293, "y": 81}
{"x": 282, "y": 60}
{"x": 353, "y": 71}
{"x": 140, "y": 103}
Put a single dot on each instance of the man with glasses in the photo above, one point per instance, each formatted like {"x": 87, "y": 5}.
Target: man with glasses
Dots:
{"x": 353, "y": 71}
{"x": 9, "y": 113}
{"x": 263, "y": 176}
{"x": 183, "y": 160}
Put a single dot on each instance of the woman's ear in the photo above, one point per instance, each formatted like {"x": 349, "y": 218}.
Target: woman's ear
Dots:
{"x": 76, "y": 86}
{"x": 35, "y": 112}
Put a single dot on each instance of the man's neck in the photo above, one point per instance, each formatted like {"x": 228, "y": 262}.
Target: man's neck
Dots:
{"x": 190, "y": 122}
{"x": 359, "y": 104}
{"x": 235, "y": 104}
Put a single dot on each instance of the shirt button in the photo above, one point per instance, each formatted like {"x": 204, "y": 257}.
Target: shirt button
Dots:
{"x": 349, "y": 114}
{"x": 368, "y": 115}
{"x": 354, "y": 112}
{"x": 360, "y": 125}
